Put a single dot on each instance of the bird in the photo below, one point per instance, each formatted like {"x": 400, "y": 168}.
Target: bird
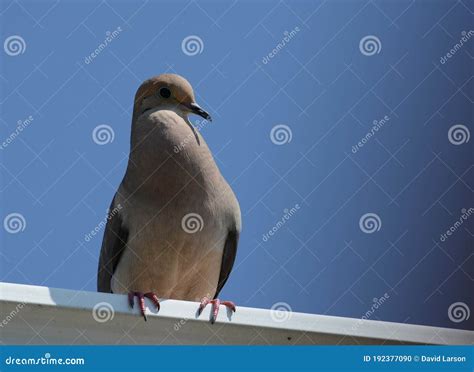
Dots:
{"x": 174, "y": 223}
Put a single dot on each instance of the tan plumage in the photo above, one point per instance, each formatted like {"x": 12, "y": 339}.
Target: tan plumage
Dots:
{"x": 145, "y": 247}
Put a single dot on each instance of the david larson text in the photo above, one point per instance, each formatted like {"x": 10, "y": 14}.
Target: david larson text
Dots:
{"x": 442, "y": 358}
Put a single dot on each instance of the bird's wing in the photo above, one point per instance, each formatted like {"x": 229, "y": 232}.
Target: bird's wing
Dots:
{"x": 228, "y": 258}
{"x": 113, "y": 245}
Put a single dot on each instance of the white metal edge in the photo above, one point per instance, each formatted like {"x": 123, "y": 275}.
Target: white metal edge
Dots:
{"x": 321, "y": 324}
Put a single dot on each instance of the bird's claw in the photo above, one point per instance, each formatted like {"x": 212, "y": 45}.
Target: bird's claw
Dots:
{"x": 141, "y": 301}
{"x": 215, "y": 307}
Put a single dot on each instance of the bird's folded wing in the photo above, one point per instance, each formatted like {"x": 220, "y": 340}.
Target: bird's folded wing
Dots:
{"x": 113, "y": 245}
{"x": 228, "y": 258}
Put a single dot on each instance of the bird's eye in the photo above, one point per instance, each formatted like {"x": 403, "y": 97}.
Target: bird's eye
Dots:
{"x": 165, "y": 92}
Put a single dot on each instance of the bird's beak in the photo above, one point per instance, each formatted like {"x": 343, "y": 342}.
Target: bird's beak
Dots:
{"x": 196, "y": 109}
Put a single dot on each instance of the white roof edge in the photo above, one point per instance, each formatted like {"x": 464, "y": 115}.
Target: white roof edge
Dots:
{"x": 257, "y": 323}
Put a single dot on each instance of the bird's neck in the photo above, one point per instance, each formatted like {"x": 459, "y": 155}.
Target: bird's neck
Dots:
{"x": 168, "y": 154}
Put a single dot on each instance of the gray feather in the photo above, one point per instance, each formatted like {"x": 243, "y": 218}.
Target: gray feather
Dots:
{"x": 228, "y": 258}
{"x": 113, "y": 245}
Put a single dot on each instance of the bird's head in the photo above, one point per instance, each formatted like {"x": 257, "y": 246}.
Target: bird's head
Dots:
{"x": 167, "y": 91}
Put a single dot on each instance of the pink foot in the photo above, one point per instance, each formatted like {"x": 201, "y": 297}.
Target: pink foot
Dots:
{"x": 215, "y": 307}
{"x": 141, "y": 301}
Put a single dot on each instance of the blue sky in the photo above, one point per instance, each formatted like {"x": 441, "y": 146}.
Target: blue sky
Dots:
{"x": 293, "y": 87}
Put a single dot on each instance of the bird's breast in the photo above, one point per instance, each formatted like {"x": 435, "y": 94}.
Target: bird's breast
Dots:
{"x": 178, "y": 210}
{"x": 175, "y": 252}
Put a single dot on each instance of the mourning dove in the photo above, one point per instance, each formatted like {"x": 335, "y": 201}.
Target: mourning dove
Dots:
{"x": 174, "y": 222}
